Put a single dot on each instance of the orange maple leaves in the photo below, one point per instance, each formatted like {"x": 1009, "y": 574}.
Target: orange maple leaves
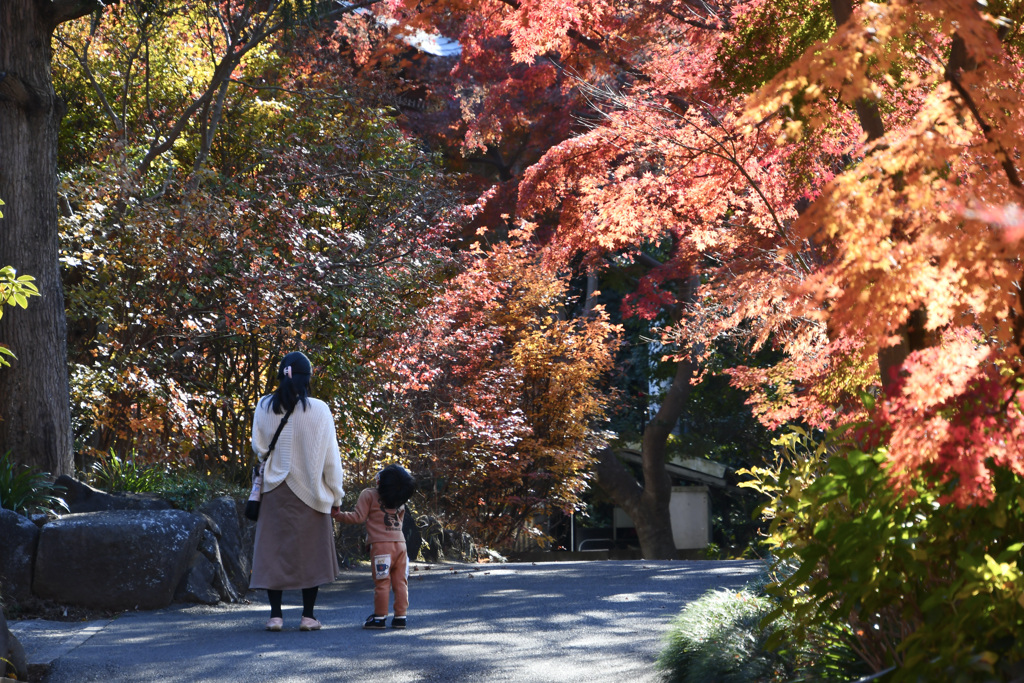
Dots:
{"x": 900, "y": 240}
{"x": 806, "y": 232}
{"x": 884, "y": 246}
{"x": 500, "y": 395}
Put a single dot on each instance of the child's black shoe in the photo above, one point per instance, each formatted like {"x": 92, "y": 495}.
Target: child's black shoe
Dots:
{"x": 375, "y": 622}
{"x": 397, "y": 622}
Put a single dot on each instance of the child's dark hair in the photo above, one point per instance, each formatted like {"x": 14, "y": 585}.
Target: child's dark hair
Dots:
{"x": 395, "y": 486}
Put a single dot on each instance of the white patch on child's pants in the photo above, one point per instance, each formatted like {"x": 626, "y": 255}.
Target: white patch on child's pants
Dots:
{"x": 381, "y": 566}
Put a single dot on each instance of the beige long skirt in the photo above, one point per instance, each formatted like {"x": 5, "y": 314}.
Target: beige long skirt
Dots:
{"x": 294, "y": 546}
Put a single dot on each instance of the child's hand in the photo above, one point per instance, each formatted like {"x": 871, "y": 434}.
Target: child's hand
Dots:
{"x": 335, "y": 511}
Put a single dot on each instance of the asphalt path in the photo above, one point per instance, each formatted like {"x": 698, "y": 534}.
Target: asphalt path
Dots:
{"x": 555, "y": 621}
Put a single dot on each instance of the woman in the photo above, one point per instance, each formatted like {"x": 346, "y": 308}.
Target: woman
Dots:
{"x": 302, "y": 481}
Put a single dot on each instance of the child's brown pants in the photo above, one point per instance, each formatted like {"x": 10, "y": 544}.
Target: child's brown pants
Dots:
{"x": 390, "y": 572}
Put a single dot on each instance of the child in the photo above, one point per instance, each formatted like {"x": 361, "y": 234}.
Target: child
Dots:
{"x": 383, "y": 510}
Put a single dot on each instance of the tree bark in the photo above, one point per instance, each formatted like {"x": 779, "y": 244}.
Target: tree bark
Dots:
{"x": 648, "y": 505}
{"x": 35, "y": 416}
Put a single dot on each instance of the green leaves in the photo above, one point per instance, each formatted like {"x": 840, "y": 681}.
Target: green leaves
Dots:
{"x": 25, "y": 491}
{"x": 15, "y": 290}
{"x": 934, "y": 589}
{"x": 117, "y": 474}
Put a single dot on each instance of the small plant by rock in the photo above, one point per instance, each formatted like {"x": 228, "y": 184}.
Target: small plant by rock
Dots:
{"x": 27, "y": 492}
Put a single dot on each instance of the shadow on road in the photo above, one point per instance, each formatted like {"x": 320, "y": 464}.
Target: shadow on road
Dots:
{"x": 565, "y": 621}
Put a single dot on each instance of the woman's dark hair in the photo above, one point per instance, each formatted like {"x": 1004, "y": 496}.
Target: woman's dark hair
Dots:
{"x": 293, "y": 383}
{"x": 395, "y": 486}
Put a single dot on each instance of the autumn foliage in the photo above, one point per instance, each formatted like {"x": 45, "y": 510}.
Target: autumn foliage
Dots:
{"x": 496, "y": 394}
{"x": 841, "y": 190}
{"x": 840, "y": 183}
{"x": 307, "y": 222}
{"x": 909, "y": 248}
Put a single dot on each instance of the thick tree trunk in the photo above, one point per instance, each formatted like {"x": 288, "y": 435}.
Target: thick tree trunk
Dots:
{"x": 35, "y": 424}
{"x": 648, "y": 506}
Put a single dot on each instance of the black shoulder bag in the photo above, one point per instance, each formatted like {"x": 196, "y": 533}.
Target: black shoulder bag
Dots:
{"x": 252, "y": 506}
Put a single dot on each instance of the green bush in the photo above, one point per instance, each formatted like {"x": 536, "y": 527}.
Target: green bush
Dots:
{"x": 907, "y": 581}
{"x": 27, "y": 492}
{"x": 182, "y": 488}
{"x": 188, "y": 490}
{"x": 125, "y": 475}
{"x": 719, "y": 637}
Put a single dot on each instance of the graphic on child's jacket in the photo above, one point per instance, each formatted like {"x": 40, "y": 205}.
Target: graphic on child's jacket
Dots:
{"x": 392, "y": 518}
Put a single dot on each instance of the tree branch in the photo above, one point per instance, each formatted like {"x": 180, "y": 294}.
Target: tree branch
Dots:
{"x": 960, "y": 61}
{"x": 83, "y": 61}
{"x": 222, "y": 75}
{"x": 59, "y": 11}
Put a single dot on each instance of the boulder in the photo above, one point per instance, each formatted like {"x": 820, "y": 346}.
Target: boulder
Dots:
{"x": 439, "y": 543}
{"x": 116, "y": 560}
{"x": 13, "y": 662}
{"x": 458, "y": 545}
{"x": 234, "y": 538}
{"x": 432, "y": 535}
{"x": 206, "y": 580}
{"x": 81, "y": 497}
{"x": 17, "y": 557}
{"x": 197, "y": 586}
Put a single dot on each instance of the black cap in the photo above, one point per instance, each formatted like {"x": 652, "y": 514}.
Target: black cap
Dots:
{"x": 297, "y": 361}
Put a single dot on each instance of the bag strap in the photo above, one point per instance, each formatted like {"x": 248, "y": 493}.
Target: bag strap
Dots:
{"x": 284, "y": 421}
{"x": 273, "y": 442}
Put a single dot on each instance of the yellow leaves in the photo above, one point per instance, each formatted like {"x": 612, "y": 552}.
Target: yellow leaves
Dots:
{"x": 992, "y": 577}
{"x": 793, "y": 131}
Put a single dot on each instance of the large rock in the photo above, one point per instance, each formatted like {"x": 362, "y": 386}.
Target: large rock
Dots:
{"x": 234, "y": 539}
{"x": 439, "y": 543}
{"x": 206, "y": 580}
{"x": 117, "y": 560}
{"x": 81, "y": 497}
{"x": 198, "y": 583}
{"x": 17, "y": 555}
{"x": 13, "y": 662}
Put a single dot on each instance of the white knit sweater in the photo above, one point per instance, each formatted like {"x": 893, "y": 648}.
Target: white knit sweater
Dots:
{"x": 306, "y": 455}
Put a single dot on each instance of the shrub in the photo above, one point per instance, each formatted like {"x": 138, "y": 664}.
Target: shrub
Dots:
{"x": 116, "y": 474}
{"x": 719, "y": 637}
{"x": 183, "y": 488}
{"x": 909, "y": 581}
{"x": 27, "y": 492}
{"x": 187, "y": 490}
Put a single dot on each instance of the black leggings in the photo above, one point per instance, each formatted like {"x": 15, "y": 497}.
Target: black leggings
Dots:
{"x": 308, "y": 600}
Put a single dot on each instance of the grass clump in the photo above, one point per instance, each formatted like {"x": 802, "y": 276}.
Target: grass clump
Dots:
{"x": 181, "y": 487}
{"x": 115, "y": 474}
{"x": 718, "y": 637}
{"x": 27, "y": 492}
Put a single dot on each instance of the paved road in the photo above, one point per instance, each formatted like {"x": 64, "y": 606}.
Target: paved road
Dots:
{"x": 528, "y": 623}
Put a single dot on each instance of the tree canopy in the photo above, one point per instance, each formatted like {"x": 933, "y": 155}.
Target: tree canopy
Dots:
{"x": 458, "y": 239}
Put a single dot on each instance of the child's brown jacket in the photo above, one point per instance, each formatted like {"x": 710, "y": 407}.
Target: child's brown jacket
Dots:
{"x": 382, "y": 524}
